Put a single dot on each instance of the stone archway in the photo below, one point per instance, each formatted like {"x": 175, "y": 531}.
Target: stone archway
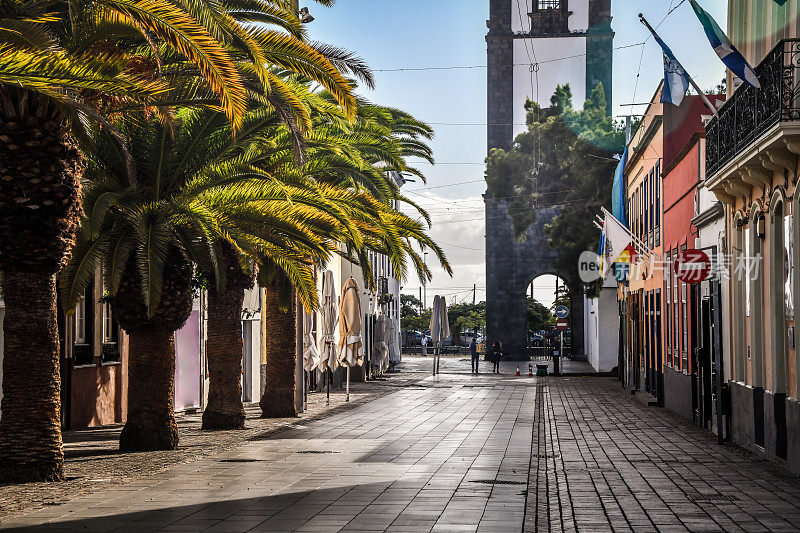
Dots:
{"x": 511, "y": 264}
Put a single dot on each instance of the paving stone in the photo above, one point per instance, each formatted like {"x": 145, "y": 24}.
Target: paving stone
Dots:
{"x": 453, "y": 453}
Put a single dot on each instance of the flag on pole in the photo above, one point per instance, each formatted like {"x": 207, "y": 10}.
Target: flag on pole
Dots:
{"x": 724, "y": 48}
{"x": 676, "y": 81}
{"x": 617, "y": 241}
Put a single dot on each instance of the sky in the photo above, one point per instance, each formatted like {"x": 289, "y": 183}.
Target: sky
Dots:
{"x": 398, "y": 37}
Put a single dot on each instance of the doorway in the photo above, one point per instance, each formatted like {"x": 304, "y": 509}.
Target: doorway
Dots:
{"x": 704, "y": 351}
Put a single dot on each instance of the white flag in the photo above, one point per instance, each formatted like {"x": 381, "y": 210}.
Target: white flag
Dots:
{"x": 617, "y": 239}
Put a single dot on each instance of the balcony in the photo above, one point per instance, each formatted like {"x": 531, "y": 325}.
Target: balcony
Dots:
{"x": 750, "y": 114}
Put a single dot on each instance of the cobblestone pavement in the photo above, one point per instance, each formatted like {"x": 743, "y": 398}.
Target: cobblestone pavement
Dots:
{"x": 603, "y": 462}
{"x": 457, "y": 452}
{"x": 93, "y": 461}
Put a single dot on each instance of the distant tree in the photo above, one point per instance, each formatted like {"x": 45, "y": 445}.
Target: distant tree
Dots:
{"x": 466, "y": 317}
{"x": 566, "y": 158}
{"x": 409, "y": 311}
{"x": 539, "y": 316}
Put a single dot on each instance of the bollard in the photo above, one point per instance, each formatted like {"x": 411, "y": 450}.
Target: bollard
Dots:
{"x": 518, "y": 370}
{"x": 530, "y": 370}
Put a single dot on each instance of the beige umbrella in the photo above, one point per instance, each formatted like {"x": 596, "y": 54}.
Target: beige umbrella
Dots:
{"x": 350, "y": 317}
{"x": 440, "y": 328}
{"x": 327, "y": 348}
{"x": 380, "y": 347}
{"x": 393, "y": 341}
{"x": 310, "y": 352}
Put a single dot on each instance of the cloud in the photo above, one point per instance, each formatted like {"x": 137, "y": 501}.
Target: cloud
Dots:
{"x": 458, "y": 226}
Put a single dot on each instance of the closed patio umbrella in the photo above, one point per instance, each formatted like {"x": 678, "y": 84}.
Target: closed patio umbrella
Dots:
{"x": 310, "y": 352}
{"x": 327, "y": 360}
{"x": 350, "y": 317}
{"x": 440, "y": 328}
{"x": 393, "y": 341}
{"x": 380, "y": 344}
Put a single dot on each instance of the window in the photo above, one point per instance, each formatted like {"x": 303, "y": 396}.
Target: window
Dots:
{"x": 109, "y": 351}
{"x": 657, "y": 210}
{"x": 668, "y": 307}
{"x": 549, "y": 4}
{"x": 108, "y": 324}
{"x": 83, "y": 349}
{"x": 80, "y": 321}
{"x": 646, "y": 207}
{"x": 685, "y": 323}
{"x": 676, "y": 314}
{"x": 651, "y": 205}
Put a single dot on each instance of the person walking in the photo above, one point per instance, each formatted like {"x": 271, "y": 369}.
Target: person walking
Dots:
{"x": 473, "y": 352}
{"x": 424, "y": 343}
{"x": 497, "y": 353}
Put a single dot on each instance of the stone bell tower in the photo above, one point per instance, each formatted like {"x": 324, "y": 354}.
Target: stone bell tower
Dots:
{"x": 532, "y": 49}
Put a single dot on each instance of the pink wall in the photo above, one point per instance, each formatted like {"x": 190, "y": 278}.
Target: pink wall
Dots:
{"x": 187, "y": 363}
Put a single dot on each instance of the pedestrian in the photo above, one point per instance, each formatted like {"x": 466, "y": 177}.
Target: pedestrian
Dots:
{"x": 496, "y": 354}
{"x": 473, "y": 352}
{"x": 424, "y": 343}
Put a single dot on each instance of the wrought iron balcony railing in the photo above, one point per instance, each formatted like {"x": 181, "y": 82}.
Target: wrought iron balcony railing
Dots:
{"x": 750, "y": 112}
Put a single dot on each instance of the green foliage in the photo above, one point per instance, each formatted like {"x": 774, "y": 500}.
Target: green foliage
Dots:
{"x": 466, "y": 317}
{"x": 566, "y": 159}
{"x": 410, "y": 311}
{"x": 539, "y": 316}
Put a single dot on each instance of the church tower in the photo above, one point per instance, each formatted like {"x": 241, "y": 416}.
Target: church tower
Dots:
{"x": 535, "y": 45}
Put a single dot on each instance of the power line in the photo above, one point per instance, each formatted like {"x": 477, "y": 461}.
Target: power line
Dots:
{"x": 468, "y": 67}
{"x": 459, "y": 246}
{"x": 450, "y": 185}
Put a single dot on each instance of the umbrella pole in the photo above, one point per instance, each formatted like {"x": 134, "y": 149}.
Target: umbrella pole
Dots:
{"x": 330, "y": 377}
{"x": 347, "y": 394}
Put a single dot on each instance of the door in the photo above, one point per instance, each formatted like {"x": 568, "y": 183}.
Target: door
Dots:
{"x": 647, "y": 341}
{"x": 658, "y": 371}
{"x": 695, "y": 336}
{"x": 705, "y": 351}
{"x": 247, "y": 353}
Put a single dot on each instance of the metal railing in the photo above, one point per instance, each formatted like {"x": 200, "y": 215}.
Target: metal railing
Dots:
{"x": 750, "y": 112}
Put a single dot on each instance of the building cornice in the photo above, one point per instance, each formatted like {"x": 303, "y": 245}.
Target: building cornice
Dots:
{"x": 709, "y": 216}
{"x": 638, "y": 150}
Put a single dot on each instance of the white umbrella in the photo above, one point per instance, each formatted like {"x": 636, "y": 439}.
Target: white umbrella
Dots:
{"x": 327, "y": 340}
{"x": 310, "y": 352}
{"x": 380, "y": 347}
{"x": 350, "y": 318}
{"x": 394, "y": 342}
{"x": 440, "y": 328}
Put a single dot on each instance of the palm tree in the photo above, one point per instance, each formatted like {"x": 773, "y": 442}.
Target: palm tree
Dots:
{"x": 187, "y": 198}
{"x": 62, "y": 62}
{"x": 357, "y": 157}
{"x": 224, "y": 344}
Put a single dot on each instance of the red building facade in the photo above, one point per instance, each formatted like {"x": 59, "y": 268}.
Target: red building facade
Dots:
{"x": 683, "y": 174}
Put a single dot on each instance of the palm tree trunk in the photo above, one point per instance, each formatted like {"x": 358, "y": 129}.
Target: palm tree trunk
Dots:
{"x": 279, "y": 340}
{"x": 30, "y": 427}
{"x": 151, "y": 391}
{"x": 224, "y": 349}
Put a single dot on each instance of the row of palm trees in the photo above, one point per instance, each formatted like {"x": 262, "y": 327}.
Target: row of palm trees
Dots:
{"x": 172, "y": 143}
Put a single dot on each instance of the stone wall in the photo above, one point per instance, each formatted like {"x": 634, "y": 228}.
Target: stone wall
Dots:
{"x": 500, "y": 75}
{"x": 511, "y": 266}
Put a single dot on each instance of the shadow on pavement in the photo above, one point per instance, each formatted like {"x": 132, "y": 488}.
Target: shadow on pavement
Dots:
{"x": 281, "y": 512}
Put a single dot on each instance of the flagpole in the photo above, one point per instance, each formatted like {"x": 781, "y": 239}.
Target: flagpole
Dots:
{"x": 636, "y": 241}
{"x": 688, "y": 77}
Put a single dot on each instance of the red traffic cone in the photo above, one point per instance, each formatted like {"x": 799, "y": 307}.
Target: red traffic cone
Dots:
{"x": 518, "y": 370}
{"x": 530, "y": 370}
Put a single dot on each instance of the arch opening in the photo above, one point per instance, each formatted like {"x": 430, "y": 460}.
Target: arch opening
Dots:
{"x": 778, "y": 300}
